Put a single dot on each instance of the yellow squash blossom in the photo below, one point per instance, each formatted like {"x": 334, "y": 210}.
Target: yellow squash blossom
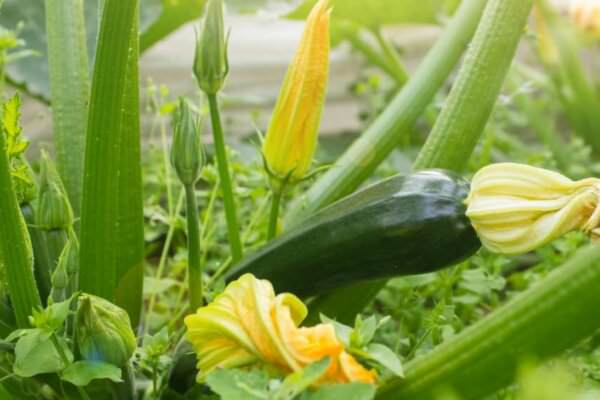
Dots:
{"x": 292, "y": 135}
{"x": 586, "y": 14}
{"x": 248, "y": 325}
{"x": 517, "y": 208}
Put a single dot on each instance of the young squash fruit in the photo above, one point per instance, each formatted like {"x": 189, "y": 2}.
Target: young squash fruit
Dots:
{"x": 406, "y": 224}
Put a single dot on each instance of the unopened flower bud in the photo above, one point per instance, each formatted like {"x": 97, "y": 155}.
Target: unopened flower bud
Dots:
{"x": 187, "y": 155}
{"x": 291, "y": 139}
{"x": 104, "y": 331}
{"x": 54, "y": 210}
{"x": 517, "y": 208}
{"x": 211, "y": 64}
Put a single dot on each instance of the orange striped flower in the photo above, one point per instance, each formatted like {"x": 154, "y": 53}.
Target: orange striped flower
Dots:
{"x": 249, "y": 325}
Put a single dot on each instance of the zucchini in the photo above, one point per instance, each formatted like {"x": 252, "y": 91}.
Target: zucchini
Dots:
{"x": 400, "y": 226}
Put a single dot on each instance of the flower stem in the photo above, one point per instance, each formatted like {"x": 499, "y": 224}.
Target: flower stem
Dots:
{"x": 274, "y": 215}
{"x": 194, "y": 260}
{"x": 230, "y": 211}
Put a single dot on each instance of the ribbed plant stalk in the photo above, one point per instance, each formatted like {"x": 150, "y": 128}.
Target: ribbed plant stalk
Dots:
{"x": 364, "y": 155}
{"x": 110, "y": 239}
{"x": 41, "y": 259}
{"x": 477, "y": 86}
{"x": 233, "y": 231}
{"x": 462, "y": 120}
{"x": 552, "y": 316}
{"x": 15, "y": 247}
{"x": 130, "y": 265}
{"x": 69, "y": 84}
{"x": 195, "y": 283}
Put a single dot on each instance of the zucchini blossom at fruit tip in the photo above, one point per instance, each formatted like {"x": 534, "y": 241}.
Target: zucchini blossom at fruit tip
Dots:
{"x": 586, "y": 15}
{"x": 517, "y": 208}
{"x": 248, "y": 325}
{"x": 291, "y": 138}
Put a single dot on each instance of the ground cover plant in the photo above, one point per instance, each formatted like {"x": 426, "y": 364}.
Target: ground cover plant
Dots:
{"x": 445, "y": 251}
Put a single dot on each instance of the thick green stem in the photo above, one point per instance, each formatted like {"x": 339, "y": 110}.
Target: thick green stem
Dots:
{"x": 389, "y": 129}
{"x": 194, "y": 255}
{"x": 15, "y": 247}
{"x": 223, "y": 166}
{"x": 69, "y": 82}
{"x": 112, "y": 164}
{"x": 477, "y": 86}
{"x": 274, "y": 214}
{"x": 552, "y": 316}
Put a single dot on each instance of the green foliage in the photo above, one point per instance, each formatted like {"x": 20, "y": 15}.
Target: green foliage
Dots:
{"x": 358, "y": 342}
{"x": 81, "y": 373}
{"x": 256, "y": 384}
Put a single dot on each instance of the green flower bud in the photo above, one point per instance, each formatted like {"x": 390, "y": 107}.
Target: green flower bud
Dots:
{"x": 211, "y": 64}
{"x": 186, "y": 151}
{"x": 54, "y": 209}
{"x": 104, "y": 331}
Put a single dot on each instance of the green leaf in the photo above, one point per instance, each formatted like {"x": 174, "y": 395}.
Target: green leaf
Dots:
{"x": 31, "y": 73}
{"x": 385, "y": 357}
{"x": 363, "y": 332}
{"x": 299, "y": 381}
{"x": 53, "y": 316}
{"x": 157, "y": 344}
{"x": 154, "y": 286}
{"x": 235, "y": 384}
{"x": 36, "y": 354}
{"x": 81, "y": 373}
{"x": 349, "y": 391}
{"x": 12, "y": 127}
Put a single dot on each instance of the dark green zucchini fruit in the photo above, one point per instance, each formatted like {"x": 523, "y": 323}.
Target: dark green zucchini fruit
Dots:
{"x": 404, "y": 225}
